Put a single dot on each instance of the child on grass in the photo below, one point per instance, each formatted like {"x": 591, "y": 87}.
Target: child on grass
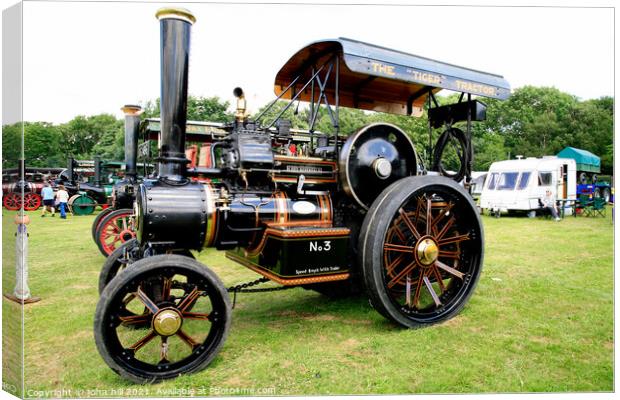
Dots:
{"x": 62, "y": 197}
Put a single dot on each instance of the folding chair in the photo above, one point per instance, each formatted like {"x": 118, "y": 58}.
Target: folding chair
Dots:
{"x": 582, "y": 203}
{"x": 597, "y": 207}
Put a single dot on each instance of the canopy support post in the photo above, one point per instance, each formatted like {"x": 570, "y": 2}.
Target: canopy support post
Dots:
{"x": 470, "y": 144}
{"x": 311, "y": 128}
{"x": 430, "y": 130}
{"x": 337, "y": 112}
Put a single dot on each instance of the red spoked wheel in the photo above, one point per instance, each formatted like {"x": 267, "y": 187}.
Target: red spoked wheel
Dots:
{"x": 12, "y": 201}
{"x": 32, "y": 201}
{"x": 115, "y": 229}
{"x": 97, "y": 222}
{"x": 421, "y": 250}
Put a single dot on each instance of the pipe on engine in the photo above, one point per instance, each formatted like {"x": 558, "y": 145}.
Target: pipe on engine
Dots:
{"x": 132, "y": 124}
{"x": 175, "y": 26}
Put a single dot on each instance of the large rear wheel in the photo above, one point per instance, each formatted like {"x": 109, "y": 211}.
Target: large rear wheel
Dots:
{"x": 421, "y": 250}
{"x": 157, "y": 293}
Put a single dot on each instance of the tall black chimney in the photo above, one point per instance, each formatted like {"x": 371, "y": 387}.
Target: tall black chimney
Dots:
{"x": 97, "y": 169}
{"x": 132, "y": 123}
{"x": 175, "y": 25}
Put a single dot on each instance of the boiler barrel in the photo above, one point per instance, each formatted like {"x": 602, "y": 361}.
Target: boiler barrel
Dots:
{"x": 248, "y": 215}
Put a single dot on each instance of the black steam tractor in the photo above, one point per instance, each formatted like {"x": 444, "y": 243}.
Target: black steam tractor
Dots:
{"x": 301, "y": 208}
{"x": 114, "y": 226}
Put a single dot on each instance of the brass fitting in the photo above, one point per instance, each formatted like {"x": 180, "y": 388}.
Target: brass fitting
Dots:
{"x": 175, "y": 13}
{"x": 240, "y": 114}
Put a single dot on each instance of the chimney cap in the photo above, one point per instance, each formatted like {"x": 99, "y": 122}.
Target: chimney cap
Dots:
{"x": 175, "y": 13}
{"x": 131, "y": 109}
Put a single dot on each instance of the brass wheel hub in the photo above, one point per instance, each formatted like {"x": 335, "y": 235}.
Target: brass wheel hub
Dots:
{"x": 167, "y": 322}
{"x": 426, "y": 251}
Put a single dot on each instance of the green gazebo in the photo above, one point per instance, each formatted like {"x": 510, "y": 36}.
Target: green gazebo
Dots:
{"x": 586, "y": 161}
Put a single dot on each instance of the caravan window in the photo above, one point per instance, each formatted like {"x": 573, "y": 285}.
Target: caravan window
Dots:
{"x": 492, "y": 180}
{"x": 544, "y": 178}
{"x": 507, "y": 181}
{"x": 525, "y": 178}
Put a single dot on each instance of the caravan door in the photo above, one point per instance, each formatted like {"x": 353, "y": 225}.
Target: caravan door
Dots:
{"x": 562, "y": 185}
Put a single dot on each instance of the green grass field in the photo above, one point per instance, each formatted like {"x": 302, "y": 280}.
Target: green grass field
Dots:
{"x": 541, "y": 320}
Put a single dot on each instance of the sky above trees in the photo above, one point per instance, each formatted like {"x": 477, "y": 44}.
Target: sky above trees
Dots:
{"x": 91, "y": 58}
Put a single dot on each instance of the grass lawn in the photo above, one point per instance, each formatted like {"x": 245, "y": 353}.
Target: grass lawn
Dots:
{"x": 541, "y": 320}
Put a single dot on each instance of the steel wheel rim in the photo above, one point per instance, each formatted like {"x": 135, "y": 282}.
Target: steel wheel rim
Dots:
{"x": 156, "y": 298}
{"x": 116, "y": 231}
{"x": 427, "y": 289}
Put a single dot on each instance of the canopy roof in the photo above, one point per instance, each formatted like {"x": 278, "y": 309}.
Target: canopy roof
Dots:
{"x": 585, "y": 160}
{"x": 381, "y": 79}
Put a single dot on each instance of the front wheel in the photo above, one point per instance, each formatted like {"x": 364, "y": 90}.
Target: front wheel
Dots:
{"x": 124, "y": 256}
{"x": 421, "y": 250}
{"x": 144, "y": 329}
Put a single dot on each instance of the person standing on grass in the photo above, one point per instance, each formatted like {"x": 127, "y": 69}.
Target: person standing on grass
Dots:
{"x": 47, "y": 193}
{"x": 63, "y": 197}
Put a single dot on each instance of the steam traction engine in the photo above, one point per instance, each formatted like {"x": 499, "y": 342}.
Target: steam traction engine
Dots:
{"x": 21, "y": 191}
{"x": 114, "y": 226}
{"x": 301, "y": 208}
{"x": 21, "y": 186}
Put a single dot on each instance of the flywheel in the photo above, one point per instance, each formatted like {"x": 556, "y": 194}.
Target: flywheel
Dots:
{"x": 373, "y": 158}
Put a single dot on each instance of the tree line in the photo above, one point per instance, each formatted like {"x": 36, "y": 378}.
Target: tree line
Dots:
{"x": 533, "y": 122}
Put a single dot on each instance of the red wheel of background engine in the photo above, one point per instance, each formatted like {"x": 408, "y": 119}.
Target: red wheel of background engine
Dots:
{"x": 115, "y": 229}
{"x": 12, "y": 201}
{"x": 97, "y": 222}
{"x": 32, "y": 201}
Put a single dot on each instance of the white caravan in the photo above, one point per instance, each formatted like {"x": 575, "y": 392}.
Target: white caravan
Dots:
{"x": 518, "y": 185}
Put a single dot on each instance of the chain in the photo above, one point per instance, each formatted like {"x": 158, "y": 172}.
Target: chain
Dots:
{"x": 240, "y": 287}
{"x": 243, "y": 288}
